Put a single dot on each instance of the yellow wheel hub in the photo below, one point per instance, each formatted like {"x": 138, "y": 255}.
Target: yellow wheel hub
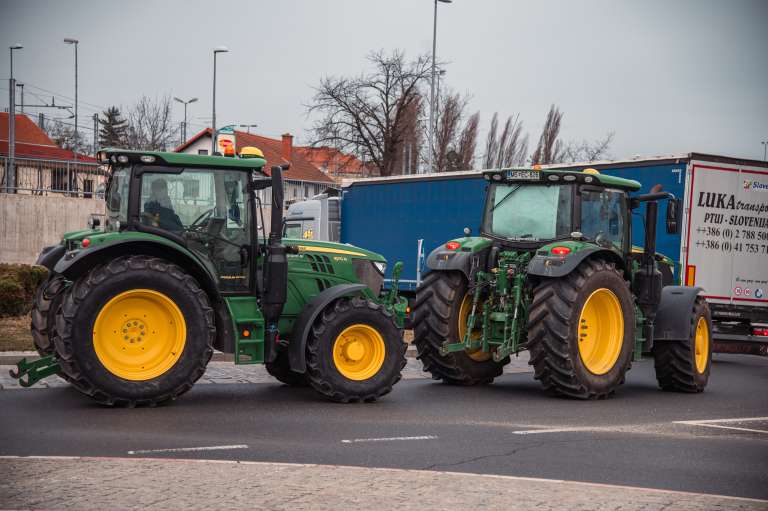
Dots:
{"x": 601, "y": 331}
{"x": 701, "y": 345}
{"x": 139, "y": 334}
{"x": 358, "y": 352}
{"x": 465, "y": 308}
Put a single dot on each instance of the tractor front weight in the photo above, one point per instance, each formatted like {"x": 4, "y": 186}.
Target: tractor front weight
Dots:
{"x": 501, "y": 296}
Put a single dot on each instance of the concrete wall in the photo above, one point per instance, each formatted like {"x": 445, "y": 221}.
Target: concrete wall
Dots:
{"x": 29, "y": 222}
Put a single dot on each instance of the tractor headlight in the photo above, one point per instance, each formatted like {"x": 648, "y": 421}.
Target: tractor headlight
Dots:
{"x": 370, "y": 273}
{"x": 382, "y": 267}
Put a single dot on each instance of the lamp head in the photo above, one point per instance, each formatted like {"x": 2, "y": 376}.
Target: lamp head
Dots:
{"x": 69, "y": 40}
{"x": 220, "y": 49}
{"x": 15, "y": 47}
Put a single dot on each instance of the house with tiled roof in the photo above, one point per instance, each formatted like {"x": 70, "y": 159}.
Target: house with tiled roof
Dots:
{"x": 42, "y": 167}
{"x": 337, "y": 164}
{"x": 302, "y": 181}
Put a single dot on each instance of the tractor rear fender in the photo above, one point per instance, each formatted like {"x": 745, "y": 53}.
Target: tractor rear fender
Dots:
{"x": 459, "y": 260}
{"x": 673, "y": 319}
{"x": 303, "y": 325}
{"x": 74, "y": 267}
{"x": 558, "y": 266}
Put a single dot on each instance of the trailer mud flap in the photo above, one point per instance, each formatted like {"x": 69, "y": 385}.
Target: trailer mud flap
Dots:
{"x": 673, "y": 319}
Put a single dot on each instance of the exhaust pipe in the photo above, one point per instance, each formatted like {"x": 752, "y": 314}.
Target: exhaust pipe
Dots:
{"x": 275, "y": 269}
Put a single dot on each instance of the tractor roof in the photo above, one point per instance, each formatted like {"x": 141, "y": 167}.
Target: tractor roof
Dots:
{"x": 112, "y": 155}
{"x": 587, "y": 176}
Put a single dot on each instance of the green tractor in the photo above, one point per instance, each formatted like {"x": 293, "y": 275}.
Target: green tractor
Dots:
{"x": 553, "y": 272}
{"x": 131, "y": 311}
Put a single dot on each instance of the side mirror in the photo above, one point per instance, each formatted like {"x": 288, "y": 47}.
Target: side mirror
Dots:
{"x": 674, "y": 220}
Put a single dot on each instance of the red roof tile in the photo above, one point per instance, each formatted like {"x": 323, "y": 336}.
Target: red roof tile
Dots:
{"x": 301, "y": 169}
{"x": 32, "y": 142}
{"x": 334, "y": 161}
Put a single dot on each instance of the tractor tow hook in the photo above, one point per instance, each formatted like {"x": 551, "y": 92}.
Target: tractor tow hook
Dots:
{"x": 35, "y": 370}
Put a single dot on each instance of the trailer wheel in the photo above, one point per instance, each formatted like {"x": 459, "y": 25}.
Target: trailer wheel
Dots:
{"x": 136, "y": 331}
{"x": 280, "y": 370}
{"x": 581, "y": 329}
{"x": 683, "y": 366}
{"x": 47, "y": 300}
{"x": 440, "y": 314}
{"x": 355, "y": 351}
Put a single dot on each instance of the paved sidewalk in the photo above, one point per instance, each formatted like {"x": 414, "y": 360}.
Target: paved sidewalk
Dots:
{"x": 118, "y": 483}
{"x": 228, "y": 372}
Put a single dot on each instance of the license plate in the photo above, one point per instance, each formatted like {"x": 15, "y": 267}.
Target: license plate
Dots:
{"x": 529, "y": 175}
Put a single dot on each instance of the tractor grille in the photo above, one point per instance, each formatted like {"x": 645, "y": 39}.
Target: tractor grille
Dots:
{"x": 368, "y": 274}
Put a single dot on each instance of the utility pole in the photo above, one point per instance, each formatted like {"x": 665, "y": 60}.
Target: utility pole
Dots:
{"x": 21, "y": 86}
{"x": 216, "y": 51}
{"x": 10, "y": 181}
{"x": 75, "y": 42}
{"x": 431, "y": 135}
{"x": 95, "y": 134}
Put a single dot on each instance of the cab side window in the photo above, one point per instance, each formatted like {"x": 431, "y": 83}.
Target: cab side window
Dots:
{"x": 603, "y": 215}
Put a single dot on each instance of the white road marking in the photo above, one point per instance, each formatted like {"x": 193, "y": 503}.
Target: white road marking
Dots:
{"x": 389, "y": 439}
{"x": 192, "y": 449}
{"x": 718, "y": 423}
{"x": 556, "y": 430}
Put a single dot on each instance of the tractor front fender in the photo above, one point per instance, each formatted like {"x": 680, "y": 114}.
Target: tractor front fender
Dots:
{"x": 558, "y": 266}
{"x": 51, "y": 255}
{"x": 303, "y": 325}
{"x": 673, "y": 319}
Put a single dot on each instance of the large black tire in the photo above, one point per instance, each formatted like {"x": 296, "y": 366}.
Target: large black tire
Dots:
{"x": 436, "y": 320}
{"x": 47, "y": 300}
{"x": 554, "y": 331}
{"x": 281, "y": 370}
{"x": 322, "y": 372}
{"x": 83, "y": 302}
{"x": 676, "y": 361}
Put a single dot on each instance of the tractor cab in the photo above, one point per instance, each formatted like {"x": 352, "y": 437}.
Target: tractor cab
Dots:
{"x": 201, "y": 205}
{"x": 530, "y": 208}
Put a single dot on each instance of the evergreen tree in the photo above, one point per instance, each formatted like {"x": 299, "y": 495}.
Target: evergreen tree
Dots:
{"x": 113, "y": 128}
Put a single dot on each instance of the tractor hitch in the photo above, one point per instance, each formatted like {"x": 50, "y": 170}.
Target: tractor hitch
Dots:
{"x": 35, "y": 370}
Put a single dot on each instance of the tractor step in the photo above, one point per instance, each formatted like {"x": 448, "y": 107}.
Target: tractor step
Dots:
{"x": 35, "y": 370}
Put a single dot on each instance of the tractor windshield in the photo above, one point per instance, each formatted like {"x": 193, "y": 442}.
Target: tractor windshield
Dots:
{"x": 528, "y": 212}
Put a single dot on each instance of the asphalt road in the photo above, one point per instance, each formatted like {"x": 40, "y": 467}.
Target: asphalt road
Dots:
{"x": 508, "y": 428}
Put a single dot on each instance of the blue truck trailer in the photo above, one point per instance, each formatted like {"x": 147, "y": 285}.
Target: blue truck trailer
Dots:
{"x": 723, "y": 246}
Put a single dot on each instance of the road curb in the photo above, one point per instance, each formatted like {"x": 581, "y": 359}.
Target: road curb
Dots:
{"x": 13, "y": 357}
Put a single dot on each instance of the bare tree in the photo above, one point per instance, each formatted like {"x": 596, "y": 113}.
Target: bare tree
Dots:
{"x": 508, "y": 148}
{"x": 468, "y": 142}
{"x": 150, "y": 126}
{"x": 491, "y": 143}
{"x": 549, "y": 148}
{"x": 586, "y": 151}
{"x": 373, "y": 114}
{"x": 63, "y": 135}
{"x": 449, "y": 117}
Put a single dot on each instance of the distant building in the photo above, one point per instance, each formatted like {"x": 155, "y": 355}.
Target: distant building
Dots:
{"x": 42, "y": 167}
{"x": 302, "y": 181}
{"x": 337, "y": 164}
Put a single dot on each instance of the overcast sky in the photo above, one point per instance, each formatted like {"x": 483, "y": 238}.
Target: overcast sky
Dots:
{"x": 666, "y": 76}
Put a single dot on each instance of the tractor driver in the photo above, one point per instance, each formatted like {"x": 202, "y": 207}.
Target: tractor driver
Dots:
{"x": 158, "y": 210}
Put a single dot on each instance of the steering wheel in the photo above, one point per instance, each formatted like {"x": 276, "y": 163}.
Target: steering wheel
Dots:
{"x": 199, "y": 220}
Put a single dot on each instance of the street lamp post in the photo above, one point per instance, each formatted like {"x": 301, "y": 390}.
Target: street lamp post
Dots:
{"x": 217, "y": 50}
{"x": 765, "y": 150}
{"x": 74, "y": 42}
{"x": 10, "y": 173}
{"x": 184, "y": 130}
{"x": 432, "y": 86}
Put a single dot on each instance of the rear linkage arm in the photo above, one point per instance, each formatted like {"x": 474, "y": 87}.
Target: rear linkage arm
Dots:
{"x": 35, "y": 370}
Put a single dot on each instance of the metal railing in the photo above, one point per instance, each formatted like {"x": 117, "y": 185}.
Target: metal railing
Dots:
{"x": 60, "y": 177}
